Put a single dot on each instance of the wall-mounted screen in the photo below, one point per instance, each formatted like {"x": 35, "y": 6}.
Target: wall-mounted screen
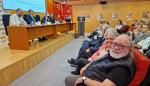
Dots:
{"x": 36, "y": 5}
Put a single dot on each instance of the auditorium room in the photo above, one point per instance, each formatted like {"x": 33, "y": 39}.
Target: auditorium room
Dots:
{"x": 74, "y": 42}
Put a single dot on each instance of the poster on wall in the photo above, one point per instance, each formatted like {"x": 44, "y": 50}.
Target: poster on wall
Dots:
{"x": 87, "y": 17}
{"x": 100, "y": 17}
{"x": 145, "y": 15}
{"x": 129, "y": 16}
{"x": 114, "y": 16}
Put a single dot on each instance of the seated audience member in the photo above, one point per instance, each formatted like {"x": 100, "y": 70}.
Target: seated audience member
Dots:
{"x": 135, "y": 23}
{"x": 148, "y": 53}
{"x": 119, "y": 24}
{"x": 137, "y": 34}
{"x": 81, "y": 62}
{"x": 145, "y": 32}
{"x": 29, "y": 17}
{"x": 96, "y": 33}
{"x": 125, "y": 23}
{"x": 123, "y": 30}
{"x": 143, "y": 45}
{"x": 88, "y": 48}
{"x": 142, "y": 69}
{"x": 17, "y": 19}
{"x": 117, "y": 68}
{"x": 106, "y": 26}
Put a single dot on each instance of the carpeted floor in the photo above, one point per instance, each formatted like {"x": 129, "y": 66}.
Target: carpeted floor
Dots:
{"x": 53, "y": 70}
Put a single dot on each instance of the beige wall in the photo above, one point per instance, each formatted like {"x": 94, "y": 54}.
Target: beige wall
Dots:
{"x": 122, "y": 8}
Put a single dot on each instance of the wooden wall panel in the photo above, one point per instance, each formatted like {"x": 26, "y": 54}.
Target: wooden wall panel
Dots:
{"x": 14, "y": 64}
{"x": 122, "y": 8}
{"x": 91, "y": 10}
{"x": 49, "y": 6}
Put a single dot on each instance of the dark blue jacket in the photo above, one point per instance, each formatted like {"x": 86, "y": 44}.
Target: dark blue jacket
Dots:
{"x": 29, "y": 19}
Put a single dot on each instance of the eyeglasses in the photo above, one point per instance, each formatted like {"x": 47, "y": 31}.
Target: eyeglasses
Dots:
{"x": 108, "y": 38}
{"x": 120, "y": 46}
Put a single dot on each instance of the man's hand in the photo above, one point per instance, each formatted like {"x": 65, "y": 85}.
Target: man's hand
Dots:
{"x": 83, "y": 69}
{"x": 78, "y": 81}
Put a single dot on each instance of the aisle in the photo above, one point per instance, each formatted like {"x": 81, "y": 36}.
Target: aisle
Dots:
{"x": 53, "y": 70}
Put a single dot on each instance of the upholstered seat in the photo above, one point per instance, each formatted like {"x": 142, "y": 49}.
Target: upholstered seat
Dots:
{"x": 142, "y": 68}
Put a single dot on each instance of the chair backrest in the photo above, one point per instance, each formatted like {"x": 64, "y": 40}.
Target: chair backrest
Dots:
{"x": 146, "y": 81}
{"x": 142, "y": 66}
{"x": 5, "y": 18}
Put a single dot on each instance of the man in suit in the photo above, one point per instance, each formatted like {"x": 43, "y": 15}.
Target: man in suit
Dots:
{"x": 29, "y": 17}
{"x": 17, "y": 19}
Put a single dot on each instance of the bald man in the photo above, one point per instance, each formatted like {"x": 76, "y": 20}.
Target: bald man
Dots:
{"x": 114, "y": 69}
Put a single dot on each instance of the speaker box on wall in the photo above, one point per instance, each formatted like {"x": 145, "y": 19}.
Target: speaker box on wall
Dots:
{"x": 103, "y": 2}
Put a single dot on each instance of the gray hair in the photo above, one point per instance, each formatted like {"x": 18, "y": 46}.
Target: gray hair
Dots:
{"x": 18, "y": 9}
{"x": 30, "y": 10}
{"x": 112, "y": 32}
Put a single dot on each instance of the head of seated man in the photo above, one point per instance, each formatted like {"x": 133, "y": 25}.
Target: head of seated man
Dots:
{"x": 120, "y": 47}
{"x": 19, "y": 12}
{"x": 17, "y": 19}
{"x": 146, "y": 28}
{"x": 30, "y": 12}
{"x": 114, "y": 69}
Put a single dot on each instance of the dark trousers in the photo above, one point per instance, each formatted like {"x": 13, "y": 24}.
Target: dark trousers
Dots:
{"x": 80, "y": 64}
{"x": 148, "y": 53}
{"x": 82, "y": 52}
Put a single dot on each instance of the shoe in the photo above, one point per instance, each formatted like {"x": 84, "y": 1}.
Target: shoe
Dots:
{"x": 71, "y": 61}
{"x": 75, "y": 72}
{"x": 44, "y": 38}
{"x": 40, "y": 40}
{"x": 73, "y": 65}
{"x": 89, "y": 36}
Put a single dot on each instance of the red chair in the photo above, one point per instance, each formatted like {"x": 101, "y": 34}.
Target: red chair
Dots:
{"x": 142, "y": 65}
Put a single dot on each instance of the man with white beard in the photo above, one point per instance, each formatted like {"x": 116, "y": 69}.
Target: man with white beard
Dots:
{"x": 114, "y": 69}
